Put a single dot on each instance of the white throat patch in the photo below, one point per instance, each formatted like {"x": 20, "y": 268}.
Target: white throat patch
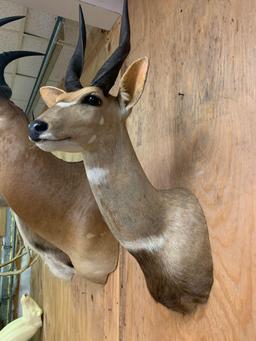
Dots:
{"x": 97, "y": 176}
{"x": 151, "y": 243}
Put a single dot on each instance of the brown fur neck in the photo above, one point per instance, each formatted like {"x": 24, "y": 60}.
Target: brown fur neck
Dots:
{"x": 125, "y": 189}
{"x": 164, "y": 230}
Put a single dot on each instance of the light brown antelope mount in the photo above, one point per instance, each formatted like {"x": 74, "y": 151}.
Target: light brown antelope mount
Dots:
{"x": 56, "y": 212}
{"x": 165, "y": 231}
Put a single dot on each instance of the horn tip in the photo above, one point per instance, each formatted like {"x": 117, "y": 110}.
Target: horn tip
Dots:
{"x": 8, "y": 20}
{"x": 81, "y": 13}
{"x": 32, "y": 53}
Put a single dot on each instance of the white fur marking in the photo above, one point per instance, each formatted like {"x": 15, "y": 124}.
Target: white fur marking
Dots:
{"x": 65, "y": 104}
{"x": 97, "y": 176}
{"x": 102, "y": 121}
{"x": 47, "y": 136}
{"x": 90, "y": 235}
{"x": 125, "y": 94}
{"x": 151, "y": 244}
{"x": 92, "y": 139}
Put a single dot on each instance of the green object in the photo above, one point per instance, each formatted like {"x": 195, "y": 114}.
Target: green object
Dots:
{"x": 41, "y": 79}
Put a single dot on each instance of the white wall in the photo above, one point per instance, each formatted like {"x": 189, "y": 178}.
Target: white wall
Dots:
{"x": 98, "y": 13}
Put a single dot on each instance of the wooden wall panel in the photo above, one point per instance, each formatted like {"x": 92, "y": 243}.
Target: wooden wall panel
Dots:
{"x": 194, "y": 127}
{"x": 2, "y": 221}
{"x": 77, "y": 310}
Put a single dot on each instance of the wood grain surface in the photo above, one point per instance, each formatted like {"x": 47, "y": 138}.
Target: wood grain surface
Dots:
{"x": 3, "y": 214}
{"x": 194, "y": 127}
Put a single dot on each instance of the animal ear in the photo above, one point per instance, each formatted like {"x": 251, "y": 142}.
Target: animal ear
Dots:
{"x": 133, "y": 81}
{"x": 49, "y": 95}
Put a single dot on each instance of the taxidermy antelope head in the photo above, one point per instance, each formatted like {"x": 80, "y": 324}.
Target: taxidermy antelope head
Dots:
{"x": 55, "y": 210}
{"x": 165, "y": 231}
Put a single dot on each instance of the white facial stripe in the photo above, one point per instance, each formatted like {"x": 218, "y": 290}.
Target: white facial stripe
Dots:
{"x": 151, "y": 244}
{"x": 97, "y": 176}
{"x": 65, "y": 104}
{"x": 92, "y": 139}
{"x": 102, "y": 121}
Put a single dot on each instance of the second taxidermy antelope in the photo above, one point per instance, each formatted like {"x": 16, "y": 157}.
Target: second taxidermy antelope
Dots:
{"x": 165, "y": 231}
{"x": 54, "y": 206}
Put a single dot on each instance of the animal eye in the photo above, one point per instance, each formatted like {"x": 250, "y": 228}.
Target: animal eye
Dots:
{"x": 92, "y": 100}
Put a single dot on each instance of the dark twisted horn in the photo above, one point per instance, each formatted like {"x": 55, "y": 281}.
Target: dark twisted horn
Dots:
{"x": 76, "y": 64}
{"x": 5, "y": 59}
{"x": 107, "y": 75}
{"x": 10, "y": 19}
{"x": 8, "y": 57}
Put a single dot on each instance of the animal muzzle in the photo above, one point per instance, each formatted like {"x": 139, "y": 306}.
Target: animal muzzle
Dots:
{"x": 36, "y": 128}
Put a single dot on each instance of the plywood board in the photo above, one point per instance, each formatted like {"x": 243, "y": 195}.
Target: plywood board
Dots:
{"x": 195, "y": 127}
{"x": 2, "y": 222}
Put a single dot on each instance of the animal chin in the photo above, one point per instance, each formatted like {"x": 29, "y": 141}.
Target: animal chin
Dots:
{"x": 52, "y": 145}
{"x": 54, "y": 140}
{"x": 62, "y": 145}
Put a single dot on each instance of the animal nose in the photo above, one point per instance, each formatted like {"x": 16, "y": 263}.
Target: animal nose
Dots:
{"x": 36, "y": 128}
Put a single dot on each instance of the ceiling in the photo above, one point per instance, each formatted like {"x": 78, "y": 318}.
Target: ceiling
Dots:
{"x": 98, "y": 13}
